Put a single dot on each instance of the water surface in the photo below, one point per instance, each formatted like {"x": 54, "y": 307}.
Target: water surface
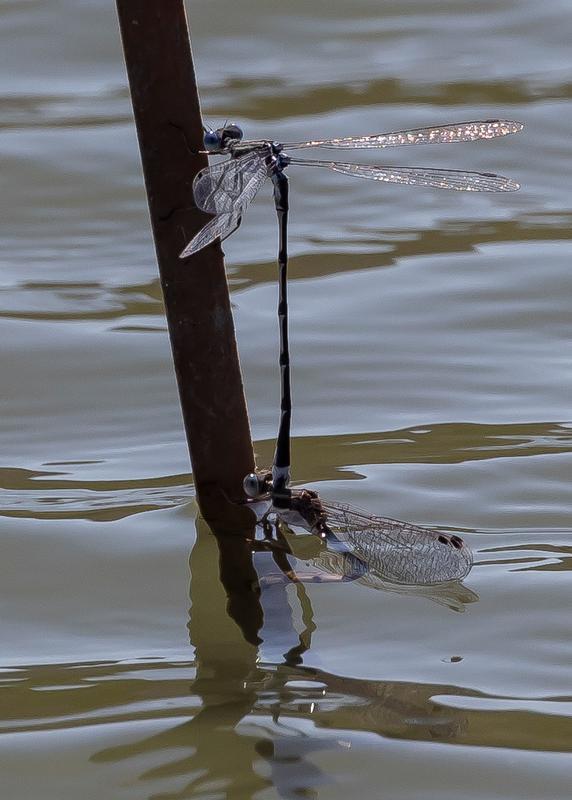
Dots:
{"x": 431, "y": 340}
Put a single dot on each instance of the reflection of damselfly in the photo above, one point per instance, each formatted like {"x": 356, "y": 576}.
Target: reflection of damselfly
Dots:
{"x": 399, "y": 552}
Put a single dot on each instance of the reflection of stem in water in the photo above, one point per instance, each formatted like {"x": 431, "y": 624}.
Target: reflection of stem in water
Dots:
{"x": 226, "y": 617}
{"x": 229, "y": 680}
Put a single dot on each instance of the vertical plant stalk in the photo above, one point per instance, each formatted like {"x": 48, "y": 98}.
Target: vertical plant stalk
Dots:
{"x": 197, "y": 303}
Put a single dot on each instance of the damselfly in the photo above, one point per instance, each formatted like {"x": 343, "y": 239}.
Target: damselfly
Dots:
{"x": 358, "y": 543}
{"x": 227, "y": 189}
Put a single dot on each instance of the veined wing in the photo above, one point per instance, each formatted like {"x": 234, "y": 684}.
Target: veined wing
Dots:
{"x": 420, "y": 176}
{"x": 398, "y": 551}
{"x": 225, "y": 189}
{"x": 439, "y": 134}
{"x": 394, "y": 550}
{"x": 219, "y": 227}
{"x": 220, "y": 188}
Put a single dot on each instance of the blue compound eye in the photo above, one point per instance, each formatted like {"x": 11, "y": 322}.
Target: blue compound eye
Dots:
{"x": 212, "y": 140}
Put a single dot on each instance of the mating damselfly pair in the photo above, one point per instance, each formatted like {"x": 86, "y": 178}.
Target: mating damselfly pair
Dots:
{"x": 359, "y": 542}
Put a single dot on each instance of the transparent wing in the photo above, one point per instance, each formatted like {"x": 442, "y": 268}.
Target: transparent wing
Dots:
{"x": 220, "y": 226}
{"x": 368, "y": 545}
{"x": 219, "y": 188}
{"x": 420, "y": 176}
{"x": 440, "y": 134}
{"x": 397, "y": 551}
{"x": 225, "y": 189}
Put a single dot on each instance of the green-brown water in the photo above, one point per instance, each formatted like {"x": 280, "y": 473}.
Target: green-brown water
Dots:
{"x": 432, "y": 347}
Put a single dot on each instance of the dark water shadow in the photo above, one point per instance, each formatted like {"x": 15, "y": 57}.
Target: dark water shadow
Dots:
{"x": 256, "y": 98}
{"x": 327, "y": 458}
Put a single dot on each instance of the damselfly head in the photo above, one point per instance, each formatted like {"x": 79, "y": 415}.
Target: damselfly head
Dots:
{"x": 218, "y": 140}
{"x": 257, "y": 485}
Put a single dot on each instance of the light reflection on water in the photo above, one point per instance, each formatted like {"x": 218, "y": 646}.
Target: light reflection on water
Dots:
{"x": 431, "y": 344}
